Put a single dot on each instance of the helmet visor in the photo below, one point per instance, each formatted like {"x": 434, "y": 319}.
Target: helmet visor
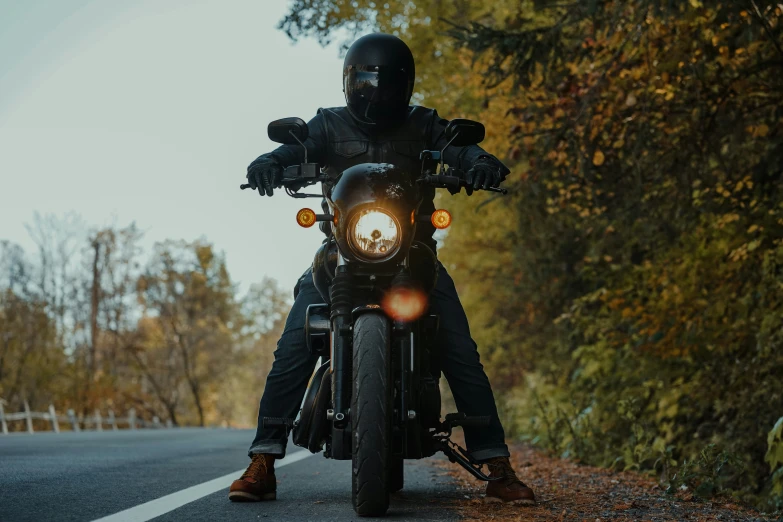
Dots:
{"x": 376, "y": 93}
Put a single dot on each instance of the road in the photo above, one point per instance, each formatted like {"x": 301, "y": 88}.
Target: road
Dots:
{"x": 88, "y": 476}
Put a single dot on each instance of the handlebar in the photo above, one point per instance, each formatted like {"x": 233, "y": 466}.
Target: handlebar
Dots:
{"x": 455, "y": 183}
{"x": 448, "y": 181}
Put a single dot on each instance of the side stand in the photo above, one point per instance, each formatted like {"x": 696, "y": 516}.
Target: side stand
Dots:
{"x": 453, "y": 451}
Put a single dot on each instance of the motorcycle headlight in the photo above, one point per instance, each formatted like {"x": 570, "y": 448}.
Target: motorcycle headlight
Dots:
{"x": 374, "y": 234}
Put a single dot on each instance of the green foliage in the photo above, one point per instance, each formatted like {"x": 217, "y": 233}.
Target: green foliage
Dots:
{"x": 627, "y": 298}
{"x": 707, "y": 473}
{"x": 774, "y": 458}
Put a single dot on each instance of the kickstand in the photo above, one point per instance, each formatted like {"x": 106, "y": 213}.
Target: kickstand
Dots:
{"x": 453, "y": 451}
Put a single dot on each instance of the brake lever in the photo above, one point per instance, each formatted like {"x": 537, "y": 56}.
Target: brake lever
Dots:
{"x": 433, "y": 180}
{"x": 497, "y": 189}
{"x": 299, "y": 196}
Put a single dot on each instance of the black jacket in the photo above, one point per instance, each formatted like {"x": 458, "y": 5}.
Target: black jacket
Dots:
{"x": 337, "y": 142}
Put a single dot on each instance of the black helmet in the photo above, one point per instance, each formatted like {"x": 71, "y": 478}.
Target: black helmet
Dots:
{"x": 378, "y": 79}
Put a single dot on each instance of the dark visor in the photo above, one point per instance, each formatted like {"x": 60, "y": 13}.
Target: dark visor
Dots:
{"x": 376, "y": 93}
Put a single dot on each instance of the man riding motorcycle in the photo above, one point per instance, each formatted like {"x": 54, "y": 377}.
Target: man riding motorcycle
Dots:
{"x": 378, "y": 125}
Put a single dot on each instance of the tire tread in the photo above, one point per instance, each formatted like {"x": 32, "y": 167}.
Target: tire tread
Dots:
{"x": 370, "y": 419}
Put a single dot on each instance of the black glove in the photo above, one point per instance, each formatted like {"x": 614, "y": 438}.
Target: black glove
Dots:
{"x": 264, "y": 174}
{"x": 486, "y": 172}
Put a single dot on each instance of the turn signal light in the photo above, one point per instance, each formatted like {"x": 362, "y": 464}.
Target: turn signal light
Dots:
{"x": 305, "y": 218}
{"x": 441, "y": 219}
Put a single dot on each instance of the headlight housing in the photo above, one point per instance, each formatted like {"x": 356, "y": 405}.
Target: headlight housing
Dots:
{"x": 374, "y": 234}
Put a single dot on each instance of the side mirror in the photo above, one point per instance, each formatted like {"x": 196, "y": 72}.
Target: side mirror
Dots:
{"x": 461, "y": 132}
{"x": 288, "y": 131}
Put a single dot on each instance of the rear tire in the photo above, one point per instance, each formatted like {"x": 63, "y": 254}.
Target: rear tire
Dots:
{"x": 371, "y": 415}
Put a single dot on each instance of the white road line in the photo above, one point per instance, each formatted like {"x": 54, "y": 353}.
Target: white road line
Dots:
{"x": 163, "y": 505}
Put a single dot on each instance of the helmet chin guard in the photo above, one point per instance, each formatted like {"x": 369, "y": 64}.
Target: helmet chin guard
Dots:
{"x": 378, "y": 76}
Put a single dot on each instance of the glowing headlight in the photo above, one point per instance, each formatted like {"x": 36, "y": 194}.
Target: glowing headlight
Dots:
{"x": 374, "y": 234}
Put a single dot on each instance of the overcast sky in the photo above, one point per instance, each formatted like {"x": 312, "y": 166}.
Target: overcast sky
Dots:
{"x": 150, "y": 111}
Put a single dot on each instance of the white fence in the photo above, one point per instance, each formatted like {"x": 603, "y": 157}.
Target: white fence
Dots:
{"x": 96, "y": 421}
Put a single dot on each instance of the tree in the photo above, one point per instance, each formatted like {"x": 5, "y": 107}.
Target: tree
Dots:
{"x": 627, "y": 294}
{"x": 188, "y": 291}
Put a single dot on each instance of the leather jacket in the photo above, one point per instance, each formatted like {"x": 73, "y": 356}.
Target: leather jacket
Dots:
{"x": 337, "y": 142}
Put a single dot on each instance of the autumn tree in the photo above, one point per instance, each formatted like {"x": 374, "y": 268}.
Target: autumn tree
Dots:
{"x": 627, "y": 295}
{"x": 92, "y": 322}
{"x": 187, "y": 290}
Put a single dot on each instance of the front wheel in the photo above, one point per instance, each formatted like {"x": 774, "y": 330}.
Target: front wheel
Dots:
{"x": 371, "y": 415}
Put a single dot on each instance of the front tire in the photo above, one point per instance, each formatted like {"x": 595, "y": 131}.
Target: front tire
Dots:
{"x": 371, "y": 415}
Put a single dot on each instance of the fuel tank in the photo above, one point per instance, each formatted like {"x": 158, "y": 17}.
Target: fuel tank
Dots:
{"x": 423, "y": 266}
{"x": 324, "y": 266}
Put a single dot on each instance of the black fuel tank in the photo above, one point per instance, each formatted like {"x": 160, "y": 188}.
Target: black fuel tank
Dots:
{"x": 423, "y": 266}
{"x": 324, "y": 266}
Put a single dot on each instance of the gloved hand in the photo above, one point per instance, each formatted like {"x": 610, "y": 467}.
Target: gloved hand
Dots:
{"x": 264, "y": 174}
{"x": 486, "y": 172}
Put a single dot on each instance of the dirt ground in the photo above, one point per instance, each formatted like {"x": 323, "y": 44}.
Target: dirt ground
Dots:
{"x": 567, "y": 491}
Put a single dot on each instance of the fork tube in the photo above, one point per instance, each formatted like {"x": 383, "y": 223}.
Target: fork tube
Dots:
{"x": 341, "y": 318}
{"x": 403, "y": 377}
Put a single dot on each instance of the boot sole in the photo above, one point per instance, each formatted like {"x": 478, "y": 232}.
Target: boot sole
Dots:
{"x": 242, "y": 496}
{"x": 519, "y": 502}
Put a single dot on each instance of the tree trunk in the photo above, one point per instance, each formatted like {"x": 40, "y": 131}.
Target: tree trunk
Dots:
{"x": 94, "y": 297}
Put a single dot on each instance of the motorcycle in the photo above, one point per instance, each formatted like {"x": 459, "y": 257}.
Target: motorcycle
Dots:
{"x": 375, "y": 397}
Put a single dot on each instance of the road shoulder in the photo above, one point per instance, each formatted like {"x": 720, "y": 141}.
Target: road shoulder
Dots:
{"x": 569, "y": 491}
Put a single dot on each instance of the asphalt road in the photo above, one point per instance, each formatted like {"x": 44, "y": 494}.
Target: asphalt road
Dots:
{"x": 88, "y": 476}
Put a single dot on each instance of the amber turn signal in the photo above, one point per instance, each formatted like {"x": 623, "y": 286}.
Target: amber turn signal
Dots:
{"x": 441, "y": 219}
{"x": 305, "y": 218}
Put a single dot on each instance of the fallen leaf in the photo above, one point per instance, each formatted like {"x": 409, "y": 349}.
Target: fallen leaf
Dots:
{"x": 598, "y": 158}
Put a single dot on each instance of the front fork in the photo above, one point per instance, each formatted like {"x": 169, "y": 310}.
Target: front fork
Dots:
{"x": 342, "y": 374}
{"x": 341, "y": 360}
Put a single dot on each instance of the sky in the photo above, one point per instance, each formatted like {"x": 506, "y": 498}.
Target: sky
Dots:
{"x": 150, "y": 111}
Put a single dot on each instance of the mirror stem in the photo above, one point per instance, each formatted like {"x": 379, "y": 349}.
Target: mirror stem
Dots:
{"x": 303, "y": 145}
{"x": 442, "y": 157}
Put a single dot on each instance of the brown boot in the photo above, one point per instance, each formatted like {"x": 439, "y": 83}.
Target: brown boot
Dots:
{"x": 509, "y": 489}
{"x": 257, "y": 482}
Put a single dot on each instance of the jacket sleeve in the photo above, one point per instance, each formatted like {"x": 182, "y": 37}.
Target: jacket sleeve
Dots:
{"x": 462, "y": 158}
{"x": 287, "y": 155}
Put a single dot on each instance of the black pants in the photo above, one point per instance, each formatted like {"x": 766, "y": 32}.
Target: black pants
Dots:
{"x": 293, "y": 366}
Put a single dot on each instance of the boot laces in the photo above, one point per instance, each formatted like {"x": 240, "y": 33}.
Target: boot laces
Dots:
{"x": 501, "y": 467}
{"x": 256, "y": 468}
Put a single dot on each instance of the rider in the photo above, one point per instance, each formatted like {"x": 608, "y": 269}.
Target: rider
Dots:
{"x": 378, "y": 125}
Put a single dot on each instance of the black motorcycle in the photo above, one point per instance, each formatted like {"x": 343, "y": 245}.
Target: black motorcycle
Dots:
{"x": 375, "y": 399}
